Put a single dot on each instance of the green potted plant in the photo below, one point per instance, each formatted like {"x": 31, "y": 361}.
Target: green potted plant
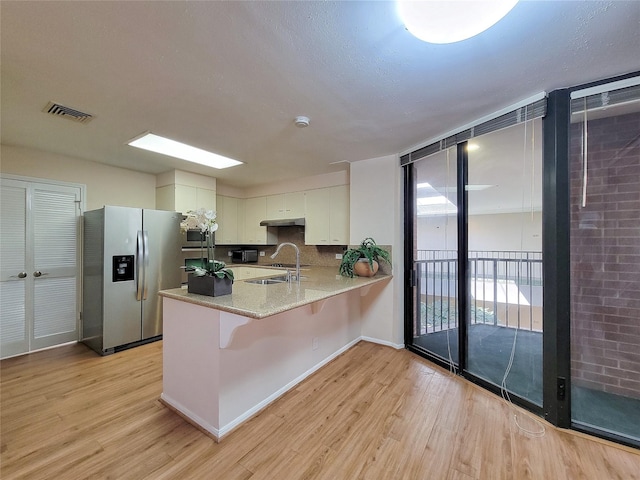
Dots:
{"x": 363, "y": 260}
{"x": 214, "y": 281}
{"x": 212, "y": 278}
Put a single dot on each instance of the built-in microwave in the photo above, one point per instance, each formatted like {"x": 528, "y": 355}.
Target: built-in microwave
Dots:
{"x": 195, "y": 238}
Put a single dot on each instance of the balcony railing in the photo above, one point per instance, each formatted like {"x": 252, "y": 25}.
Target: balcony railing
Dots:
{"x": 505, "y": 288}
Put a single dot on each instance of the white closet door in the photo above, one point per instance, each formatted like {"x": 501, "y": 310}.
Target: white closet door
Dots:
{"x": 55, "y": 213}
{"x": 42, "y": 240}
{"x": 14, "y": 332}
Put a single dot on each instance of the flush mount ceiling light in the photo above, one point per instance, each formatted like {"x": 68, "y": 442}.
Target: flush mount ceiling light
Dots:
{"x": 166, "y": 146}
{"x": 441, "y": 21}
{"x": 472, "y": 147}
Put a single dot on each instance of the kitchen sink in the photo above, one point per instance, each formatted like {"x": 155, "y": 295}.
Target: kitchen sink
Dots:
{"x": 267, "y": 281}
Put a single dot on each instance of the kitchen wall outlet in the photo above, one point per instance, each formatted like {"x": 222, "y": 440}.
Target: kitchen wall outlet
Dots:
{"x": 338, "y": 256}
{"x": 229, "y": 253}
{"x": 262, "y": 253}
{"x": 315, "y": 343}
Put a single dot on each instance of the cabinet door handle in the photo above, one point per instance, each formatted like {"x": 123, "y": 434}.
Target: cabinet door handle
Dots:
{"x": 20, "y": 275}
{"x": 37, "y": 273}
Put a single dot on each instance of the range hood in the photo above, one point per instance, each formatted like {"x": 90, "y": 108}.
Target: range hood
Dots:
{"x": 283, "y": 222}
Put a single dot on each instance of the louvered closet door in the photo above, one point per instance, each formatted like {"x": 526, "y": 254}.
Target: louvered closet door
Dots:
{"x": 56, "y": 217}
{"x": 42, "y": 303}
{"x": 14, "y": 332}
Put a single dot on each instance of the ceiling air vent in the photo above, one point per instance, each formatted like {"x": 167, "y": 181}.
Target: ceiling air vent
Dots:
{"x": 66, "y": 112}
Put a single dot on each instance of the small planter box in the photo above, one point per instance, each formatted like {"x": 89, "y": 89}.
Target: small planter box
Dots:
{"x": 209, "y": 285}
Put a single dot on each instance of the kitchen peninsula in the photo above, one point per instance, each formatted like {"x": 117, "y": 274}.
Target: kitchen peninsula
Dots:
{"x": 225, "y": 358}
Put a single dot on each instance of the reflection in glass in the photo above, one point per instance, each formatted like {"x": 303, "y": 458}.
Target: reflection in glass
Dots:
{"x": 505, "y": 259}
{"x": 436, "y": 257}
{"x": 605, "y": 263}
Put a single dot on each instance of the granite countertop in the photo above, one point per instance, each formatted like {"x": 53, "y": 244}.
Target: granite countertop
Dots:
{"x": 259, "y": 301}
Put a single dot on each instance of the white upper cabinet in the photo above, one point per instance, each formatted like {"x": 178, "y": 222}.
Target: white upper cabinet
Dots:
{"x": 186, "y": 198}
{"x": 206, "y": 198}
{"x": 326, "y": 213}
{"x": 327, "y": 216}
{"x": 183, "y": 198}
{"x": 339, "y": 215}
{"x": 285, "y": 205}
{"x": 228, "y": 220}
{"x": 255, "y": 210}
{"x": 183, "y": 191}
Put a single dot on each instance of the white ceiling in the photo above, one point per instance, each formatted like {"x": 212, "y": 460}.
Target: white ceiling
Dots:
{"x": 231, "y": 76}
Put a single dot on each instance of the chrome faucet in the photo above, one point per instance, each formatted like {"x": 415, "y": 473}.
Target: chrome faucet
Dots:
{"x": 297, "y": 259}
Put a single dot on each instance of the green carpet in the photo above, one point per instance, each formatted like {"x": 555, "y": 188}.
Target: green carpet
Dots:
{"x": 489, "y": 353}
{"x": 614, "y": 413}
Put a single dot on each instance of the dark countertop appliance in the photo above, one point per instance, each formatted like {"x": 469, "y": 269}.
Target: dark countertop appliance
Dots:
{"x": 247, "y": 255}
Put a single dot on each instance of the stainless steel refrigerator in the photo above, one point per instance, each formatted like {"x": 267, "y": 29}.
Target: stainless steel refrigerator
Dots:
{"x": 129, "y": 255}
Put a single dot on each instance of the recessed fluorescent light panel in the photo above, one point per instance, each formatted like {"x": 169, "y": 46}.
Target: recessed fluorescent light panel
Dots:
{"x": 430, "y": 201}
{"x": 166, "y": 146}
{"x": 449, "y": 21}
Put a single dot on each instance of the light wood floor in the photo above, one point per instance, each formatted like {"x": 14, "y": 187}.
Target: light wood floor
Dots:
{"x": 373, "y": 413}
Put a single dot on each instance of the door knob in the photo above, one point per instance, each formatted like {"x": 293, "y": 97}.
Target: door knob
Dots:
{"x": 20, "y": 275}
{"x": 37, "y": 273}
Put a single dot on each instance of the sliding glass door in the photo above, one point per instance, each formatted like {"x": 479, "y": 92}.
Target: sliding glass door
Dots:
{"x": 435, "y": 258}
{"x": 498, "y": 288}
{"x": 504, "y": 218}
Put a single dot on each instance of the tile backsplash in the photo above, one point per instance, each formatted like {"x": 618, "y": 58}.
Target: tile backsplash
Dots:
{"x": 313, "y": 255}
{"x": 318, "y": 255}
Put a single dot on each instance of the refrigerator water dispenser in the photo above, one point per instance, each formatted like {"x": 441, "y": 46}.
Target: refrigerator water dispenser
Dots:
{"x": 123, "y": 268}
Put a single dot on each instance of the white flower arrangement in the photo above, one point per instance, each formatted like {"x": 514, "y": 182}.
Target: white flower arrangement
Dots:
{"x": 200, "y": 219}
{"x": 205, "y": 221}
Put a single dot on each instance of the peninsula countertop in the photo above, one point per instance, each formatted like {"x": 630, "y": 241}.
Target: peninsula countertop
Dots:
{"x": 260, "y": 301}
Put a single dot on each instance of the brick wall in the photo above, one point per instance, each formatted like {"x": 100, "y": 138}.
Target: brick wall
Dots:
{"x": 605, "y": 257}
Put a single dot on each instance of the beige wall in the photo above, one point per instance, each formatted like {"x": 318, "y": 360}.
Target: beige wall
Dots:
{"x": 503, "y": 232}
{"x": 509, "y": 231}
{"x": 105, "y": 185}
{"x": 375, "y": 211}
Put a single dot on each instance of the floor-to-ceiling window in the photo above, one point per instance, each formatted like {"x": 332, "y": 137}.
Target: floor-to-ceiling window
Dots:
{"x": 504, "y": 218}
{"x": 579, "y": 367}
{"x": 604, "y": 167}
{"x": 436, "y": 256}
{"x": 476, "y": 253}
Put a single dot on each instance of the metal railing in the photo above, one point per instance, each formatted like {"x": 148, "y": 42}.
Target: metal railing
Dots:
{"x": 505, "y": 289}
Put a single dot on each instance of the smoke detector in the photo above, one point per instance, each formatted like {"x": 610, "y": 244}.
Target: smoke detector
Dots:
{"x": 301, "y": 121}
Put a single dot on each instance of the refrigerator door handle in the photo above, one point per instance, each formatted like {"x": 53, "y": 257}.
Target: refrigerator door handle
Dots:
{"x": 146, "y": 262}
{"x": 139, "y": 266}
